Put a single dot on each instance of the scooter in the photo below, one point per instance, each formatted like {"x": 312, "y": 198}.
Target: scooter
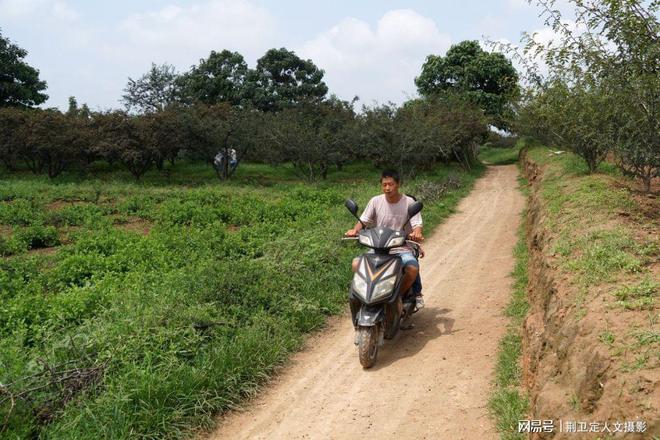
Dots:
{"x": 378, "y": 308}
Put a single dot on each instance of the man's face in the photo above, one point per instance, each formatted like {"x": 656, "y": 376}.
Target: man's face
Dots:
{"x": 390, "y": 186}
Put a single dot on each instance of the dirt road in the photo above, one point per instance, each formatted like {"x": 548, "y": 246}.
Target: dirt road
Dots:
{"x": 431, "y": 382}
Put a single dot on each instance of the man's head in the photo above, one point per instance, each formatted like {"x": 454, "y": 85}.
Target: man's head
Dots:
{"x": 389, "y": 182}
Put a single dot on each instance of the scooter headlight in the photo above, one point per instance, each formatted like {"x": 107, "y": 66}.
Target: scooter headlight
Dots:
{"x": 383, "y": 288}
{"x": 360, "y": 286}
{"x": 365, "y": 240}
{"x": 395, "y": 241}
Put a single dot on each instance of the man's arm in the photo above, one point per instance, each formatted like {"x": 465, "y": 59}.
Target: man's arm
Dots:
{"x": 416, "y": 234}
{"x": 417, "y": 228}
{"x": 367, "y": 217}
{"x": 354, "y": 232}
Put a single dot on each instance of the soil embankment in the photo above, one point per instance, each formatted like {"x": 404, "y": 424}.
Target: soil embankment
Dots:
{"x": 587, "y": 358}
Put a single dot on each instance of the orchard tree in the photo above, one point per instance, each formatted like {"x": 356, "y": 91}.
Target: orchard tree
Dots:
{"x": 126, "y": 139}
{"x": 423, "y": 132}
{"x": 54, "y": 142}
{"x": 221, "y": 128}
{"x": 488, "y": 79}
{"x": 219, "y": 78}
{"x": 283, "y": 79}
{"x": 602, "y": 89}
{"x": 19, "y": 83}
{"x": 153, "y": 91}
{"x": 163, "y": 133}
{"x": 12, "y": 135}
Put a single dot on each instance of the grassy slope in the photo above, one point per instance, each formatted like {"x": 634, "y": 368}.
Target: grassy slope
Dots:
{"x": 187, "y": 292}
{"x": 606, "y": 243}
{"x": 610, "y": 262}
{"x": 508, "y": 403}
{"x": 596, "y": 253}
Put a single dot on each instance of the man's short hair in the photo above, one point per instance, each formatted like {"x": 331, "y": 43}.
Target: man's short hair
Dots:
{"x": 390, "y": 173}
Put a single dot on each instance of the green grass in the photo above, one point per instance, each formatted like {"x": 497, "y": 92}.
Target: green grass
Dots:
{"x": 185, "y": 320}
{"x": 639, "y": 296}
{"x": 508, "y": 403}
{"x": 594, "y": 232}
{"x": 499, "y": 156}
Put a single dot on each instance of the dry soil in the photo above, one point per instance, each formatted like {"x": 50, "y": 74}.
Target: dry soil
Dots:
{"x": 431, "y": 382}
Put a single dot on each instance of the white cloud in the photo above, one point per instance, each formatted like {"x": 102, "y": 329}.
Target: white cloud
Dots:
{"x": 53, "y": 10}
{"x": 182, "y": 35}
{"x": 376, "y": 63}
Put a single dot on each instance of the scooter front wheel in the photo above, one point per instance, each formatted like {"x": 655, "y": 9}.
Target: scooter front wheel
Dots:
{"x": 368, "y": 345}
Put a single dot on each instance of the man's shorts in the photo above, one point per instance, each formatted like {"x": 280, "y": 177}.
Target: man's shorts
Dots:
{"x": 408, "y": 259}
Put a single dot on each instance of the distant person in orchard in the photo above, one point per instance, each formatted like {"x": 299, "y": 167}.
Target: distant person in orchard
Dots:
{"x": 218, "y": 160}
{"x": 232, "y": 159}
{"x": 390, "y": 210}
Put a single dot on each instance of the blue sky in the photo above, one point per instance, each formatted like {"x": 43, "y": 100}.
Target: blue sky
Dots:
{"x": 372, "y": 49}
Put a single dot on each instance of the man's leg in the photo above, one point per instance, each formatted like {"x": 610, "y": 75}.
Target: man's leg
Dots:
{"x": 417, "y": 285}
{"x": 410, "y": 270}
{"x": 410, "y": 273}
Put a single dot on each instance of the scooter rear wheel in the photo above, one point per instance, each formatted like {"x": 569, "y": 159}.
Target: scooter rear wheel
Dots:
{"x": 368, "y": 345}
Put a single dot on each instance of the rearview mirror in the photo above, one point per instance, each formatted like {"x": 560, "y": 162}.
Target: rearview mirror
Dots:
{"x": 351, "y": 206}
{"x": 414, "y": 209}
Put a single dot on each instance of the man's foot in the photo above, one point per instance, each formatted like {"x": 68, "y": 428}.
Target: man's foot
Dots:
{"x": 419, "y": 302}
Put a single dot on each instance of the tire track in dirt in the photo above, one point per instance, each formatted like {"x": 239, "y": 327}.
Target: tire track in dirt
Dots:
{"x": 431, "y": 382}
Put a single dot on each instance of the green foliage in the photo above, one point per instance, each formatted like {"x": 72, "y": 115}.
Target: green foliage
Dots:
{"x": 638, "y": 296}
{"x": 219, "y": 78}
{"x": 602, "y": 90}
{"x": 422, "y": 133}
{"x": 283, "y": 79}
{"x": 499, "y": 156}
{"x": 312, "y": 136}
{"x": 183, "y": 321}
{"x": 19, "y": 82}
{"x": 37, "y": 236}
{"x": 488, "y": 79}
{"x": 507, "y": 404}
{"x": 153, "y": 91}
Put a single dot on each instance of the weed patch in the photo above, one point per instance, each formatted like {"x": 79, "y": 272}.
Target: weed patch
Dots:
{"x": 167, "y": 329}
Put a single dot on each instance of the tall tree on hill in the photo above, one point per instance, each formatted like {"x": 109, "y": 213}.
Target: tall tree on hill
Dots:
{"x": 19, "y": 83}
{"x": 219, "y": 78}
{"x": 488, "y": 79}
{"x": 283, "y": 79}
{"x": 153, "y": 91}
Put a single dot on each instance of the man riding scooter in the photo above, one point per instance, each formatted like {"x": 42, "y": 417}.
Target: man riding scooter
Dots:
{"x": 390, "y": 210}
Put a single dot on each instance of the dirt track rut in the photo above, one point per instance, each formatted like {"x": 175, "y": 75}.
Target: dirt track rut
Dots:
{"x": 431, "y": 382}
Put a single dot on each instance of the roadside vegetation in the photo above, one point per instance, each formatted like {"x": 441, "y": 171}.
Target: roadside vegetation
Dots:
{"x": 498, "y": 156}
{"x": 509, "y": 402}
{"x": 599, "y": 242}
{"x": 599, "y": 96}
{"x": 141, "y": 310}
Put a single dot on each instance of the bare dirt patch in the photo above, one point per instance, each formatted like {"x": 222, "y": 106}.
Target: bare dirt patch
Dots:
{"x": 430, "y": 382}
{"x": 136, "y": 224}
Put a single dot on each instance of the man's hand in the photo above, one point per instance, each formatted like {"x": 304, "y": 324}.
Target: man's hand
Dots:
{"x": 351, "y": 233}
{"x": 416, "y": 235}
{"x": 421, "y": 251}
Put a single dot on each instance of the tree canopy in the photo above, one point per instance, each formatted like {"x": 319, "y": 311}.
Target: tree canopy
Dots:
{"x": 489, "y": 79}
{"x": 19, "y": 82}
{"x": 153, "y": 91}
{"x": 283, "y": 79}
{"x": 219, "y": 78}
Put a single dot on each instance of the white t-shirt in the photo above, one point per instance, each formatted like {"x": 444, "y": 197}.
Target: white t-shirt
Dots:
{"x": 380, "y": 212}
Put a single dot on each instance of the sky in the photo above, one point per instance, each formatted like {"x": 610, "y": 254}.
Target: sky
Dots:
{"x": 372, "y": 49}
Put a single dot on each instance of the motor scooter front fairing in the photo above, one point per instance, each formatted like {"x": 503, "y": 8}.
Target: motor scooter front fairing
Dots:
{"x": 378, "y": 275}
